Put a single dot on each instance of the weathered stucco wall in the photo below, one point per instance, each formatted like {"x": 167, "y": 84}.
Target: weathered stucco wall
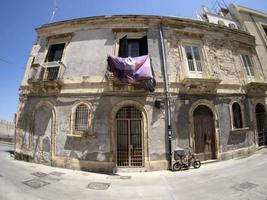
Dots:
{"x": 7, "y": 131}
{"x": 253, "y": 25}
{"x": 46, "y": 115}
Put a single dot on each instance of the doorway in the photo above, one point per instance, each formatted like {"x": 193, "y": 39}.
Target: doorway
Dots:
{"x": 129, "y": 128}
{"x": 204, "y": 133}
{"x": 261, "y": 124}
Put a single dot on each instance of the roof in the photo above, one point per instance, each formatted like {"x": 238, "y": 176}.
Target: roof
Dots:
{"x": 250, "y": 10}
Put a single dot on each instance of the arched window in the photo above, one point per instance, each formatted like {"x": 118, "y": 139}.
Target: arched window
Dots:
{"x": 81, "y": 118}
{"x": 237, "y": 116}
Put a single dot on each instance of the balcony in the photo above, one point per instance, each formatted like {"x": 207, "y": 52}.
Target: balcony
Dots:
{"x": 47, "y": 77}
{"x": 256, "y": 88}
{"x": 194, "y": 65}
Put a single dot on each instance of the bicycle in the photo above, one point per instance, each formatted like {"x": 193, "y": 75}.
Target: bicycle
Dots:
{"x": 185, "y": 158}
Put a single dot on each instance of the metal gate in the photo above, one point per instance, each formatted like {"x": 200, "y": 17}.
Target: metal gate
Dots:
{"x": 261, "y": 125}
{"x": 129, "y": 137}
{"x": 204, "y": 133}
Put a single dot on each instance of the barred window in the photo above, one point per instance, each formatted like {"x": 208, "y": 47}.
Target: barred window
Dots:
{"x": 82, "y": 118}
{"x": 237, "y": 116}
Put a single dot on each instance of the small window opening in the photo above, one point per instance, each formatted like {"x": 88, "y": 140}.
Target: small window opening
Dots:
{"x": 237, "y": 116}
{"x": 133, "y": 47}
{"x": 55, "y": 52}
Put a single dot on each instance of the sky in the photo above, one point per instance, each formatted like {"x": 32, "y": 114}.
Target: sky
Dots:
{"x": 19, "y": 18}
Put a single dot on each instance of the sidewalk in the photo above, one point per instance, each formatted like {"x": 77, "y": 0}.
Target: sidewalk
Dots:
{"x": 233, "y": 179}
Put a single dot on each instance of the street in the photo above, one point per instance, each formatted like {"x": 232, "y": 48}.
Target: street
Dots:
{"x": 233, "y": 179}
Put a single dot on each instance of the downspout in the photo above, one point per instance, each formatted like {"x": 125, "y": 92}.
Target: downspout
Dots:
{"x": 167, "y": 95}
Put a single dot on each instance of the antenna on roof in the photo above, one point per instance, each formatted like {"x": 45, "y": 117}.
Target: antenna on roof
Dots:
{"x": 54, "y": 11}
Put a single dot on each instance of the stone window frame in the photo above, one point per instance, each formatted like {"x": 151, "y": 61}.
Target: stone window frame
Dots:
{"x": 242, "y": 109}
{"x": 247, "y": 52}
{"x": 197, "y": 43}
{"x": 57, "y": 39}
{"x": 74, "y": 132}
{"x": 131, "y": 34}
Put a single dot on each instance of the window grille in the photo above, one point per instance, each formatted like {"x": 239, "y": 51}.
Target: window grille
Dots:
{"x": 52, "y": 73}
{"x": 81, "y": 118}
{"x": 237, "y": 116}
{"x": 129, "y": 137}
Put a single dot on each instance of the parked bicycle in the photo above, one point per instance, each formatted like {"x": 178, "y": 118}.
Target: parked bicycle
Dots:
{"x": 185, "y": 158}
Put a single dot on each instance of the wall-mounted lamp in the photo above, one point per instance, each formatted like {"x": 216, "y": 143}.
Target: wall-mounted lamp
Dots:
{"x": 159, "y": 103}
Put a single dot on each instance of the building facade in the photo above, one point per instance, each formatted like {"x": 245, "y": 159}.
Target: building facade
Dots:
{"x": 74, "y": 113}
{"x": 255, "y": 23}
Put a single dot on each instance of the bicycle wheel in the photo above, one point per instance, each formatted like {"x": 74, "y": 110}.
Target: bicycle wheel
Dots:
{"x": 196, "y": 164}
{"x": 177, "y": 166}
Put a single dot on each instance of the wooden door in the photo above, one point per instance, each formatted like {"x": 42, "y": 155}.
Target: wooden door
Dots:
{"x": 261, "y": 125}
{"x": 204, "y": 133}
{"x": 129, "y": 137}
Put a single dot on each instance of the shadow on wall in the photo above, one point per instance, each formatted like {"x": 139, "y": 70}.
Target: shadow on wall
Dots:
{"x": 42, "y": 132}
{"x": 97, "y": 146}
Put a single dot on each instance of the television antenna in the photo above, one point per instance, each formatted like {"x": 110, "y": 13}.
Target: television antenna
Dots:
{"x": 54, "y": 11}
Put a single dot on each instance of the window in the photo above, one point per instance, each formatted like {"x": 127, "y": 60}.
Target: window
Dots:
{"x": 193, "y": 58}
{"x": 265, "y": 29}
{"x": 248, "y": 65}
{"x": 133, "y": 47}
{"x": 82, "y": 118}
{"x": 55, "y": 52}
{"x": 52, "y": 73}
{"x": 237, "y": 116}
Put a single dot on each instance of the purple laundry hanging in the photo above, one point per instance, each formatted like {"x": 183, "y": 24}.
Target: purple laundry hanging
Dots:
{"x": 130, "y": 70}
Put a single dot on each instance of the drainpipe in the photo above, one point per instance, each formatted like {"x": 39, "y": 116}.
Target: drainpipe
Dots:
{"x": 167, "y": 95}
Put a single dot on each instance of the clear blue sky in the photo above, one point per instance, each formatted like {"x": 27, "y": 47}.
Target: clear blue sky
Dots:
{"x": 19, "y": 18}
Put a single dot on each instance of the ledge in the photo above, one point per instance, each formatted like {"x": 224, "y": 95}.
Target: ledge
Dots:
{"x": 200, "y": 85}
{"x": 81, "y": 137}
{"x": 239, "y": 130}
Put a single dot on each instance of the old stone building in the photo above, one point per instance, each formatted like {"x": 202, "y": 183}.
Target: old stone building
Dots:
{"x": 74, "y": 113}
{"x": 255, "y": 23}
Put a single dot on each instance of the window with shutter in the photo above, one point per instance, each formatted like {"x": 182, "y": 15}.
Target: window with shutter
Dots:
{"x": 55, "y": 52}
{"x": 133, "y": 47}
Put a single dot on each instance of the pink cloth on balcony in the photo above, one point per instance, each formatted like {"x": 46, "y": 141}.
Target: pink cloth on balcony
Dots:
{"x": 131, "y": 69}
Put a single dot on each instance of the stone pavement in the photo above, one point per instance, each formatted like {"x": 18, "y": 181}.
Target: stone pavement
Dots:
{"x": 234, "y": 179}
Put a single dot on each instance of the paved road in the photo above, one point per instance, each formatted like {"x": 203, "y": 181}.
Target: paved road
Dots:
{"x": 234, "y": 179}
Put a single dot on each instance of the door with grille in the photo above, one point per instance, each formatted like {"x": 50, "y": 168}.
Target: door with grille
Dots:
{"x": 129, "y": 137}
{"x": 204, "y": 133}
